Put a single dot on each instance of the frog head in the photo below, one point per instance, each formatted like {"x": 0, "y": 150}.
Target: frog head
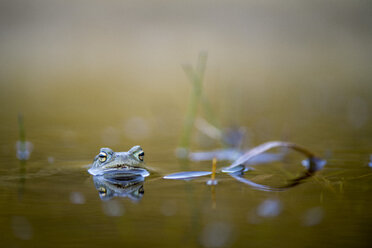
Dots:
{"x": 108, "y": 161}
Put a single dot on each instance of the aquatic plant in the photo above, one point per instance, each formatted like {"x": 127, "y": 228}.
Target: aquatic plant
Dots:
{"x": 213, "y": 180}
{"x": 24, "y": 148}
{"x": 239, "y": 166}
{"x": 196, "y": 76}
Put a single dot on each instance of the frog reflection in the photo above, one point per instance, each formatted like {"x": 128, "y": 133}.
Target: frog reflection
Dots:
{"x": 131, "y": 187}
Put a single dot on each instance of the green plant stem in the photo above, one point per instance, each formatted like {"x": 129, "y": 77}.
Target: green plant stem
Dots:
{"x": 197, "y": 89}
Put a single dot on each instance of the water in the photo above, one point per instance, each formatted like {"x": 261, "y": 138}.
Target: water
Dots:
{"x": 110, "y": 75}
{"x": 57, "y": 203}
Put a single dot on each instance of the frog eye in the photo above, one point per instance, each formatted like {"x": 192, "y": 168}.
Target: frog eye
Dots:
{"x": 141, "y": 155}
{"x": 102, "y": 156}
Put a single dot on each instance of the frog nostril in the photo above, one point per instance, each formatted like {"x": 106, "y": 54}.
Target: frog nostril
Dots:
{"x": 122, "y": 166}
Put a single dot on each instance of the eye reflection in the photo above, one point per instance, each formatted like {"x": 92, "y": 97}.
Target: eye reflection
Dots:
{"x": 141, "y": 155}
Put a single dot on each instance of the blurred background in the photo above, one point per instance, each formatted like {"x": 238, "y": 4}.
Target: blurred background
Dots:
{"x": 280, "y": 67}
{"x": 87, "y": 74}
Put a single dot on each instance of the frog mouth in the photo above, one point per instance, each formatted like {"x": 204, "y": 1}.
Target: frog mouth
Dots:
{"x": 115, "y": 167}
{"x": 126, "y": 169}
{"x": 119, "y": 169}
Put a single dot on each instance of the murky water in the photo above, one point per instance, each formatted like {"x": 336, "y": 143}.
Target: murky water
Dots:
{"x": 58, "y": 203}
{"x": 110, "y": 75}
{"x": 51, "y": 199}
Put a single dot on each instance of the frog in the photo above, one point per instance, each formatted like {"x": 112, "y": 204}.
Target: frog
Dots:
{"x": 119, "y": 164}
